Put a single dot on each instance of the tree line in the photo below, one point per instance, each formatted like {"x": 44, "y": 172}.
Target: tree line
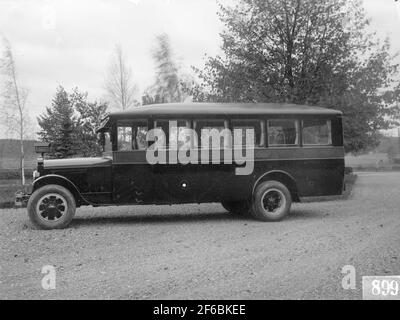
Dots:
{"x": 317, "y": 52}
{"x": 69, "y": 125}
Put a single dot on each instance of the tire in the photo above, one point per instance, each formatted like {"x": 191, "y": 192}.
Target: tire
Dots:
{"x": 239, "y": 208}
{"x": 276, "y": 206}
{"x": 51, "y": 207}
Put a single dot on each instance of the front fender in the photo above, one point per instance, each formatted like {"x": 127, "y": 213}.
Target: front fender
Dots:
{"x": 62, "y": 181}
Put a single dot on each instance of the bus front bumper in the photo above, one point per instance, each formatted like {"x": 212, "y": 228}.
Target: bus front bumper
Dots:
{"x": 22, "y": 196}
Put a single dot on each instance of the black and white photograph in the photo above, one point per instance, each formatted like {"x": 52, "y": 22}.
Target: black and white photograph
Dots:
{"x": 201, "y": 156}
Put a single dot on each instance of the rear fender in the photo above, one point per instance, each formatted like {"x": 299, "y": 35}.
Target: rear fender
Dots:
{"x": 283, "y": 177}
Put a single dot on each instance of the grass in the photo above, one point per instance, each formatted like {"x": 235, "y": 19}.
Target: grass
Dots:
{"x": 7, "y": 192}
{"x": 370, "y": 162}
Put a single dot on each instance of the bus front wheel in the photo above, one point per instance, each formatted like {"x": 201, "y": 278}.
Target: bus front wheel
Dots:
{"x": 271, "y": 201}
{"x": 51, "y": 207}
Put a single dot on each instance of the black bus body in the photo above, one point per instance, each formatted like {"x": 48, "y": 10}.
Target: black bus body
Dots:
{"x": 298, "y": 153}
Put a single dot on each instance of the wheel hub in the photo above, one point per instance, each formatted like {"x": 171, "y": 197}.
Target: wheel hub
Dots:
{"x": 272, "y": 201}
{"x": 51, "y": 207}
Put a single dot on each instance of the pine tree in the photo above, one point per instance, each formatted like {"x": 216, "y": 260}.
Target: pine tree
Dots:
{"x": 70, "y": 124}
{"x": 167, "y": 87}
{"x": 58, "y": 125}
{"x": 89, "y": 117}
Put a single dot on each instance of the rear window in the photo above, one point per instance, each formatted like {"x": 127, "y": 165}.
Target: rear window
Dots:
{"x": 283, "y": 133}
{"x": 317, "y": 132}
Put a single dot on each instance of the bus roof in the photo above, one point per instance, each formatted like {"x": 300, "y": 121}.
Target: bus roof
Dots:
{"x": 208, "y": 109}
{"x": 205, "y": 110}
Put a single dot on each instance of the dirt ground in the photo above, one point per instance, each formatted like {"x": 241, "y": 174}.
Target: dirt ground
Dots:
{"x": 201, "y": 251}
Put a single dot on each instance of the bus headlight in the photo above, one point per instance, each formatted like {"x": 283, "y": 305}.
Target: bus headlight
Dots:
{"x": 36, "y": 174}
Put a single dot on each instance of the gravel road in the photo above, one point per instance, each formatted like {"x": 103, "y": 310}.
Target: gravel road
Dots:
{"x": 201, "y": 251}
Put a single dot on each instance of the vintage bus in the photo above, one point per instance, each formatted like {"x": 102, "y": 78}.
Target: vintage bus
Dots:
{"x": 294, "y": 152}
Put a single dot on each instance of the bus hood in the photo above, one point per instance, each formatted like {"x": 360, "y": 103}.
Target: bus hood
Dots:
{"x": 76, "y": 162}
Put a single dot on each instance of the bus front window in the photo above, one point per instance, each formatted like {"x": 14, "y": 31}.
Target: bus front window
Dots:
{"x": 107, "y": 146}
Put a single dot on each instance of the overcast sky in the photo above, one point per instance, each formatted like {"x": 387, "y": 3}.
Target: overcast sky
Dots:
{"x": 69, "y": 42}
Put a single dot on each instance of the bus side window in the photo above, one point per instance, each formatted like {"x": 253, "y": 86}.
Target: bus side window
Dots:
{"x": 131, "y": 135}
{"x": 317, "y": 132}
{"x": 213, "y": 134}
{"x": 124, "y": 138}
{"x": 140, "y": 137}
{"x": 107, "y": 142}
{"x": 178, "y": 133}
{"x": 283, "y": 133}
{"x": 258, "y": 127}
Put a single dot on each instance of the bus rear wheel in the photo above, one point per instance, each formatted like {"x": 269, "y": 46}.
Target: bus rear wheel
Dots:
{"x": 239, "y": 208}
{"x": 271, "y": 201}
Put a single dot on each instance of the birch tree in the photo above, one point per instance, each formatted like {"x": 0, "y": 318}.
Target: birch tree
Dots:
{"x": 119, "y": 84}
{"x": 14, "y": 97}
